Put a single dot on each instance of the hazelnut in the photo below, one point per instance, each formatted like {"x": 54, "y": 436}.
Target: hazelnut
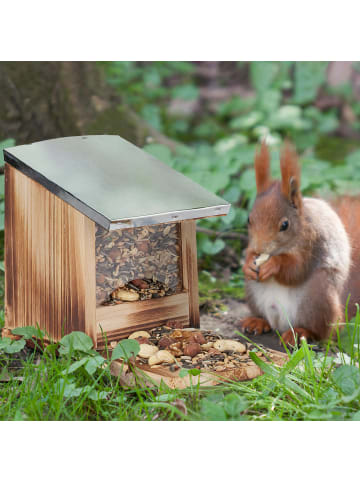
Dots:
{"x": 197, "y": 338}
{"x": 192, "y": 349}
{"x": 140, "y": 283}
{"x": 165, "y": 341}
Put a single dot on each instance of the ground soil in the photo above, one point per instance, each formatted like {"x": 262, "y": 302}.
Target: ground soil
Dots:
{"x": 227, "y": 323}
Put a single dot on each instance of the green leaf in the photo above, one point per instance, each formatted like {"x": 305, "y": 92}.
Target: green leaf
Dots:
{"x": 227, "y": 144}
{"x": 75, "y": 341}
{"x": 94, "y": 363}
{"x": 247, "y": 121}
{"x": 2, "y": 266}
{"x": 161, "y": 152}
{"x": 212, "y": 411}
{"x": 151, "y": 113}
{"x": 262, "y": 74}
{"x": 347, "y": 378}
{"x": 95, "y": 395}
{"x": 74, "y": 366}
{"x": 234, "y": 404}
{"x": 185, "y": 92}
{"x": 11, "y": 346}
{"x": 28, "y": 332}
{"x": 212, "y": 247}
{"x": 4, "y": 145}
{"x": 309, "y": 76}
{"x": 125, "y": 349}
{"x": 269, "y": 101}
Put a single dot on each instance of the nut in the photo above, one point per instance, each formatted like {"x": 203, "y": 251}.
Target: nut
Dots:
{"x": 176, "y": 348}
{"x": 161, "y": 357}
{"x": 207, "y": 346}
{"x": 192, "y": 349}
{"x": 137, "y": 334}
{"x": 261, "y": 259}
{"x": 165, "y": 341}
{"x": 124, "y": 295}
{"x": 197, "y": 338}
{"x": 229, "y": 345}
{"x": 140, "y": 283}
{"x": 143, "y": 339}
{"x": 147, "y": 351}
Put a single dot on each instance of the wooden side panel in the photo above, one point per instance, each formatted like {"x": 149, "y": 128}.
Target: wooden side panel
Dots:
{"x": 49, "y": 260}
{"x": 118, "y": 321}
{"x": 189, "y": 269}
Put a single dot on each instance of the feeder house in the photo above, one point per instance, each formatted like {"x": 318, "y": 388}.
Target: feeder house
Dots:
{"x": 100, "y": 237}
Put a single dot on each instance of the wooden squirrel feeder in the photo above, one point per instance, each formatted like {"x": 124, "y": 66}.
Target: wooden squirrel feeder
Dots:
{"x": 87, "y": 215}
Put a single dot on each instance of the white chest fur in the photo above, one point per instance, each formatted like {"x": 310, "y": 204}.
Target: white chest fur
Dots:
{"x": 278, "y": 304}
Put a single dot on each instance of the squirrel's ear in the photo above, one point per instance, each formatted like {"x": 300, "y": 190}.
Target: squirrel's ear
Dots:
{"x": 262, "y": 168}
{"x": 290, "y": 175}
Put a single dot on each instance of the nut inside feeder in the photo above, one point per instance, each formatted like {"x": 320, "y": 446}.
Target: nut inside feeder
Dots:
{"x": 107, "y": 250}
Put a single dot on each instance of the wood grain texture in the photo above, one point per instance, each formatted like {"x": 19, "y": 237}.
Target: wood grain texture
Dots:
{"x": 189, "y": 269}
{"x": 118, "y": 321}
{"x": 49, "y": 260}
{"x": 148, "y": 376}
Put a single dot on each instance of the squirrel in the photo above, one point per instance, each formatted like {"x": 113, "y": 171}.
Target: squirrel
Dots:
{"x": 309, "y": 252}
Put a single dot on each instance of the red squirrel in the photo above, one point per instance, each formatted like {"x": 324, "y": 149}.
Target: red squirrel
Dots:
{"x": 310, "y": 253}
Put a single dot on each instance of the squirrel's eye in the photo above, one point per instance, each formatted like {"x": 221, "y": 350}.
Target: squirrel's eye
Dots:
{"x": 284, "y": 226}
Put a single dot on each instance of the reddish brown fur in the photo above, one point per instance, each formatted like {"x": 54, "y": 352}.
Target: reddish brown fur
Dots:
{"x": 348, "y": 208}
{"x": 262, "y": 169}
{"x": 290, "y": 175}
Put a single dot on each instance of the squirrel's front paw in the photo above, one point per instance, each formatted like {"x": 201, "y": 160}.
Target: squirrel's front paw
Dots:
{"x": 289, "y": 338}
{"x": 254, "y": 325}
{"x": 250, "y": 270}
{"x": 268, "y": 269}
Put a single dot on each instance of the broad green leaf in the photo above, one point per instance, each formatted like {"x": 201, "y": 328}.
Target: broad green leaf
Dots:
{"x": 3, "y": 145}
{"x": 263, "y": 74}
{"x": 227, "y": 144}
{"x": 93, "y": 363}
{"x": 309, "y": 76}
{"x": 151, "y": 113}
{"x": 161, "y": 152}
{"x": 247, "y": 121}
{"x": 347, "y": 378}
{"x": 234, "y": 404}
{"x": 28, "y": 332}
{"x": 212, "y": 247}
{"x": 185, "y": 92}
{"x": 74, "y": 366}
{"x": 212, "y": 411}
{"x": 75, "y": 341}
{"x": 125, "y": 349}
{"x": 11, "y": 346}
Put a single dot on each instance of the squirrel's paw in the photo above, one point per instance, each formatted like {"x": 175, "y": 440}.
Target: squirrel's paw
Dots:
{"x": 250, "y": 271}
{"x": 288, "y": 336}
{"x": 268, "y": 269}
{"x": 255, "y": 326}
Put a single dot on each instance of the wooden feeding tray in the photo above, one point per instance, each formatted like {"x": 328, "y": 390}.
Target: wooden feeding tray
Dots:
{"x": 85, "y": 216}
{"x": 217, "y": 359}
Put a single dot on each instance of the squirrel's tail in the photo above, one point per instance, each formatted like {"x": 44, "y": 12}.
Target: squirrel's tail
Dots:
{"x": 348, "y": 209}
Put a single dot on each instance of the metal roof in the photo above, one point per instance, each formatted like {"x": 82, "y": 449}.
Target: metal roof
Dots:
{"x": 113, "y": 182}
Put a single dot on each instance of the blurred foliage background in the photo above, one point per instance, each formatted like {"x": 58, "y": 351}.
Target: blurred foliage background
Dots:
{"x": 204, "y": 119}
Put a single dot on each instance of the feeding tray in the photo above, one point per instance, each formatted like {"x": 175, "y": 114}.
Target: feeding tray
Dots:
{"x": 216, "y": 359}
{"x": 86, "y": 216}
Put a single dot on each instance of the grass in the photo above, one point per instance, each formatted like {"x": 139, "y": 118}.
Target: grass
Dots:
{"x": 43, "y": 385}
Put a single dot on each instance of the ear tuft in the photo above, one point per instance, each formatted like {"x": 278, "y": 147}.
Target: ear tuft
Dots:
{"x": 290, "y": 175}
{"x": 262, "y": 168}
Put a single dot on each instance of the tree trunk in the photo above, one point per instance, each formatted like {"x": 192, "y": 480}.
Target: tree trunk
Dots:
{"x": 44, "y": 100}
